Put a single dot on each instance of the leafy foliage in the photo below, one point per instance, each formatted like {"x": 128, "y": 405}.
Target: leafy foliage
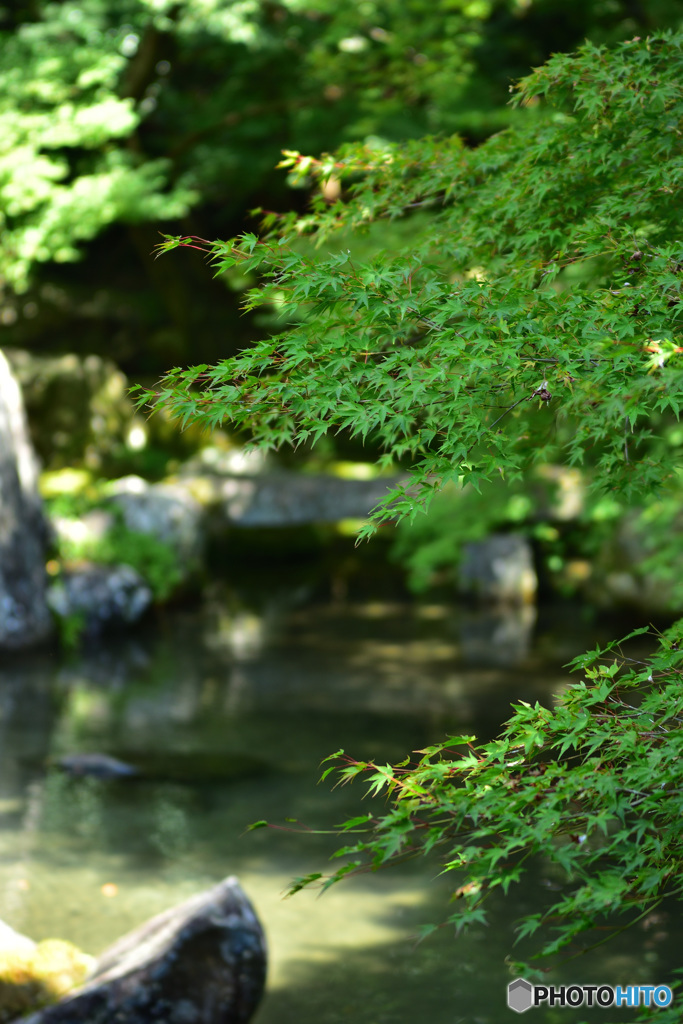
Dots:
{"x": 593, "y": 785}
{"x": 579, "y": 539}
{"x": 78, "y": 79}
{"x": 62, "y": 179}
{"x": 118, "y": 116}
{"x": 433, "y": 543}
{"x": 534, "y": 318}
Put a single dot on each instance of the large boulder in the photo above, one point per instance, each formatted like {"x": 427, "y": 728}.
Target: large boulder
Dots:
{"x": 78, "y": 407}
{"x": 24, "y": 616}
{"x": 237, "y": 490}
{"x": 292, "y": 499}
{"x": 203, "y": 962}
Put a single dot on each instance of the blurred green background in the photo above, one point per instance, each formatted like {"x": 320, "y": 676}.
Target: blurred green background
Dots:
{"x": 124, "y": 119}
{"x": 121, "y": 119}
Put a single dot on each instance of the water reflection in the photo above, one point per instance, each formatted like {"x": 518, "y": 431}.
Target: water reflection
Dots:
{"x": 227, "y": 715}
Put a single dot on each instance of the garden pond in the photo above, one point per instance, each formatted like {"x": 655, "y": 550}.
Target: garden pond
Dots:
{"x": 228, "y": 711}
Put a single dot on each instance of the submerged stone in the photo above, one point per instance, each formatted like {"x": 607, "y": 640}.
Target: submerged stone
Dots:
{"x": 101, "y": 766}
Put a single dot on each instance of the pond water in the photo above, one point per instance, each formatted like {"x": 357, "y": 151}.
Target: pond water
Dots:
{"x": 228, "y": 712}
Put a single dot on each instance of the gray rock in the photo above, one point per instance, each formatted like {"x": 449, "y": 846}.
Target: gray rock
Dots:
{"x": 292, "y": 499}
{"x": 499, "y": 570}
{"x": 78, "y": 407}
{"x": 167, "y": 511}
{"x": 203, "y": 962}
{"x": 285, "y": 499}
{"x": 181, "y": 511}
{"x": 103, "y": 595}
{"x": 24, "y": 615}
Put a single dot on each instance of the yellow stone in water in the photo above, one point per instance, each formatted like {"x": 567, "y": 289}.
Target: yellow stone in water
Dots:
{"x": 36, "y": 977}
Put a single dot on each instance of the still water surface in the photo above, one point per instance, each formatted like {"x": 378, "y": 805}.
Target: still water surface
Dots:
{"x": 228, "y": 713}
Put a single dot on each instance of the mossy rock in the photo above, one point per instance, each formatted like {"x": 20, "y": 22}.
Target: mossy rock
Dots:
{"x": 31, "y": 978}
{"x": 78, "y": 407}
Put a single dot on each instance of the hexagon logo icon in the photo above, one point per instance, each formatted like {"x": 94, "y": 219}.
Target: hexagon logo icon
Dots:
{"x": 520, "y": 995}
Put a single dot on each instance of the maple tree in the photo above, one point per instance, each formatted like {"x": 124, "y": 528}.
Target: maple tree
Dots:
{"x": 533, "y": 315}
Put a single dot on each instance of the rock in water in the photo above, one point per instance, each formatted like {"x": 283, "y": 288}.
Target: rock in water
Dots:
{"x": 102, "y": 596}
{"x": 33, "y": 974}
{"x": 24, "y": 616}
{"x": 101, "y": 766}
{"x": 203, "y": 962}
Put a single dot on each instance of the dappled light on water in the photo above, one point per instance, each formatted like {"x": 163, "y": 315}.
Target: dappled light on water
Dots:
{"x": 225, "y": 719}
